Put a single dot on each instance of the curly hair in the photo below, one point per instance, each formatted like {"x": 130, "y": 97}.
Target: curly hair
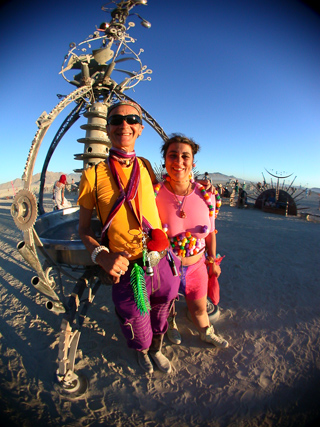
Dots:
{"x": 177, "y": 137}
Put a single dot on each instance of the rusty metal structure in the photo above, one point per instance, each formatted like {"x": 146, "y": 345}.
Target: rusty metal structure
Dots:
{"x": 50, "y": 242}
{"x": 275, "y": 198}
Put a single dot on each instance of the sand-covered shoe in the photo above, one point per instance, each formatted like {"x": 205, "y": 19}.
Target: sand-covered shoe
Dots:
{"x": 155, "y": 353}
{"x": 173, "y": 332}
{"x": 161, "y": 361}
{"x": 144, "y": 361}
{"x": 210, "y": 337}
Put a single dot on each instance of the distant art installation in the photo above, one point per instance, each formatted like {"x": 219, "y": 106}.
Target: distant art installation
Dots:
{"x": 274, "y": 198}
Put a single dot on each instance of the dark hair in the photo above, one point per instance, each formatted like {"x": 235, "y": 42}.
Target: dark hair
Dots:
{"x": 177, "y": 137}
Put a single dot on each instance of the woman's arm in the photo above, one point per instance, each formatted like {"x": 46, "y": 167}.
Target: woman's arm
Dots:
{"x": 211, "y": 247}
{"x": 62, "y": 196}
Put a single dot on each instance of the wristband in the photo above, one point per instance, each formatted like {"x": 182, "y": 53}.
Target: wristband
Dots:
{"x": 96, "y": 252}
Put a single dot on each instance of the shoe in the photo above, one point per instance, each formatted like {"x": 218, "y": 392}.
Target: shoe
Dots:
{"x": 161, "y": 361}
{"x": 173, "y": 332}
{"x": 144, "y": 361}
{"x": 210, "y": 337}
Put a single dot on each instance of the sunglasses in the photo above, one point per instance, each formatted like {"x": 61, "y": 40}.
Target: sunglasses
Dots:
{"x": 117, "y": 119}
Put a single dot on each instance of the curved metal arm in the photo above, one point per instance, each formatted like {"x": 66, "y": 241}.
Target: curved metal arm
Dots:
{"x": 66, "y": 125}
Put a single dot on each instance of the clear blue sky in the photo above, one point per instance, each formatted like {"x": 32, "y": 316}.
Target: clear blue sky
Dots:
{"x": 239, "y": 76}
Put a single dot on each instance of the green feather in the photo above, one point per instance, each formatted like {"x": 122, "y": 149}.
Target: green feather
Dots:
{"x": 138, "y": 284}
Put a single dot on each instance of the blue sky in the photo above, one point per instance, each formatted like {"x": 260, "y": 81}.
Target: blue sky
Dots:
{"x": 241, "y": 77}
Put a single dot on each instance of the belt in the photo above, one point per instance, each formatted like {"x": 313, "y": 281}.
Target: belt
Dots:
{"x": 139, "y": 261}
{"x": 163, "y": 253}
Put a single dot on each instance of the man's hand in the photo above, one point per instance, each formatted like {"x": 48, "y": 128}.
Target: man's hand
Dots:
{"x": 115, "y": 264}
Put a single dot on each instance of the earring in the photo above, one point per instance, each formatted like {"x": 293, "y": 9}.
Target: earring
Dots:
{"x": 193, "y": 165}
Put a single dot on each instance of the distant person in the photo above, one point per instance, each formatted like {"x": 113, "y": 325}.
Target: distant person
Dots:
{"x": 207, "y": 178}
{"x": 271, "y": 200}
{"x": 74, "y": 187}
{"x": 242, "y": 198}
{"x": 236, "y": 186}
{"x": 58, "y": 193}
{"x": 226, "y": 192}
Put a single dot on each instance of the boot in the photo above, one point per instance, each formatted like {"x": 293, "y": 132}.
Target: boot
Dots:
{"x": 173, "y": 333}
{"x": 144, "y": 361}
{"x": 159, "y": 359}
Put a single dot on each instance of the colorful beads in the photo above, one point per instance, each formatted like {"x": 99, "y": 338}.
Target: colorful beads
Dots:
{"x": 166, "y": 177}
{"x": 185, "y": 244}
{"x": 207, "y": 199}
{"x": 157, "y": 189}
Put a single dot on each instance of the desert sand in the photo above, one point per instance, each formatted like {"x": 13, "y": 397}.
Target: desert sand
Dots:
{"x": 269, "y": 376}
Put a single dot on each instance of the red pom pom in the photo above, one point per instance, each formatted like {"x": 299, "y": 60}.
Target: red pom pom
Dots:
{"x": 159, "y": 241}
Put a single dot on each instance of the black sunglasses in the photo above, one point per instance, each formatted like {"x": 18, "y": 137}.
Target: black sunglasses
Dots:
{"x": 117, "y": 119}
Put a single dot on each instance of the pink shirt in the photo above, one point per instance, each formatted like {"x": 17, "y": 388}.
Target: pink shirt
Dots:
{"x": 197, "y": 222}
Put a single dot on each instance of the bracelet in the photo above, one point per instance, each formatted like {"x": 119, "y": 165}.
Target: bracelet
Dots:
{"x": 96, "y": 252}
{"x": 210, "y": 260}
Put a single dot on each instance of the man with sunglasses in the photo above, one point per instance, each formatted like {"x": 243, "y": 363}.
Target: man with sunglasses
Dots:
{"x": 121, "y": 191}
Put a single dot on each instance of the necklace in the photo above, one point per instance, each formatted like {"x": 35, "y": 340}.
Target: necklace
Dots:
{"x": 180, "y": 203}
{"x": 204, "y": 194}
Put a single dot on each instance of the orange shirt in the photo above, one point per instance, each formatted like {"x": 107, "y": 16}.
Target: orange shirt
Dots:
{"x": 124, "y": 232}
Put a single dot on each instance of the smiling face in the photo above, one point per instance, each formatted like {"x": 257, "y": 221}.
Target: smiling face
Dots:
{"x": 124, "y": 136}
{"x": 178, "y": 161}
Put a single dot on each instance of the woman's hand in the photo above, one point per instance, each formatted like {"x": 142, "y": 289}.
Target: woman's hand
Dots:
{"x": 214, "y": 270}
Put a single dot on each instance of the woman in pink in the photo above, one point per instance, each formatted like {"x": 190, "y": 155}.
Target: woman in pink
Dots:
{"x": 187, "y": 214}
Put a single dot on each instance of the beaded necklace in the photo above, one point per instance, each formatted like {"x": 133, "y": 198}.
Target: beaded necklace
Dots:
{"x": 204, "y": 194}
{"x": 185, "y": 244}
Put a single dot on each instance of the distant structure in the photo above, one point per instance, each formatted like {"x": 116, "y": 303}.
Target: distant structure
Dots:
{"x": 275, "y": 198}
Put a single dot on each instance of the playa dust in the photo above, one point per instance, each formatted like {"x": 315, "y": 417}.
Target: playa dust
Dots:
{"x": 269, "y": 376}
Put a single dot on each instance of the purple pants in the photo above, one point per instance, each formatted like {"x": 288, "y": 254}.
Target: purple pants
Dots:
{"x": 162, "y": 289}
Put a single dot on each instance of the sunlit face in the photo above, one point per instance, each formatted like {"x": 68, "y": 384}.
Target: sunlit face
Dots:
{"x": 124, "y": 136}
{"x": 178, "y": 161}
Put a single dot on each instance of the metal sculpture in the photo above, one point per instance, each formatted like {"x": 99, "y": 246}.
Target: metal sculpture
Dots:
{"x": 285, "y": 201}
{"x": 51, "y": 236}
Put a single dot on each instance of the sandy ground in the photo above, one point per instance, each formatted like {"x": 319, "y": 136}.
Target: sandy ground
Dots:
{"x": 269, "y": 376}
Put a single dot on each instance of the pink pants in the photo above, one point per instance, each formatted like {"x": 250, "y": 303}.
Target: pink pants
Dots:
{"x": 194, "y": 280}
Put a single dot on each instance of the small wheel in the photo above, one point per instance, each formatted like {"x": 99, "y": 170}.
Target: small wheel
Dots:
{"x": 75, "y": 387}
{"x": 24, "y": 209}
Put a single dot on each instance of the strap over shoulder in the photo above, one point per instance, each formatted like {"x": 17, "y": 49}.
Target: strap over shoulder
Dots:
{"x": 149, "y": 168}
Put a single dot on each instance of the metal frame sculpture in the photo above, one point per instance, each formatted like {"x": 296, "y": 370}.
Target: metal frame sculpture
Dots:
{"x": 65, "y": 255}
{"x": 285, "y": 203}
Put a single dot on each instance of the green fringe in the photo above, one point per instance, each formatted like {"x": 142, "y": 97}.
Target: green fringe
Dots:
{"x": 138, "y": 284}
